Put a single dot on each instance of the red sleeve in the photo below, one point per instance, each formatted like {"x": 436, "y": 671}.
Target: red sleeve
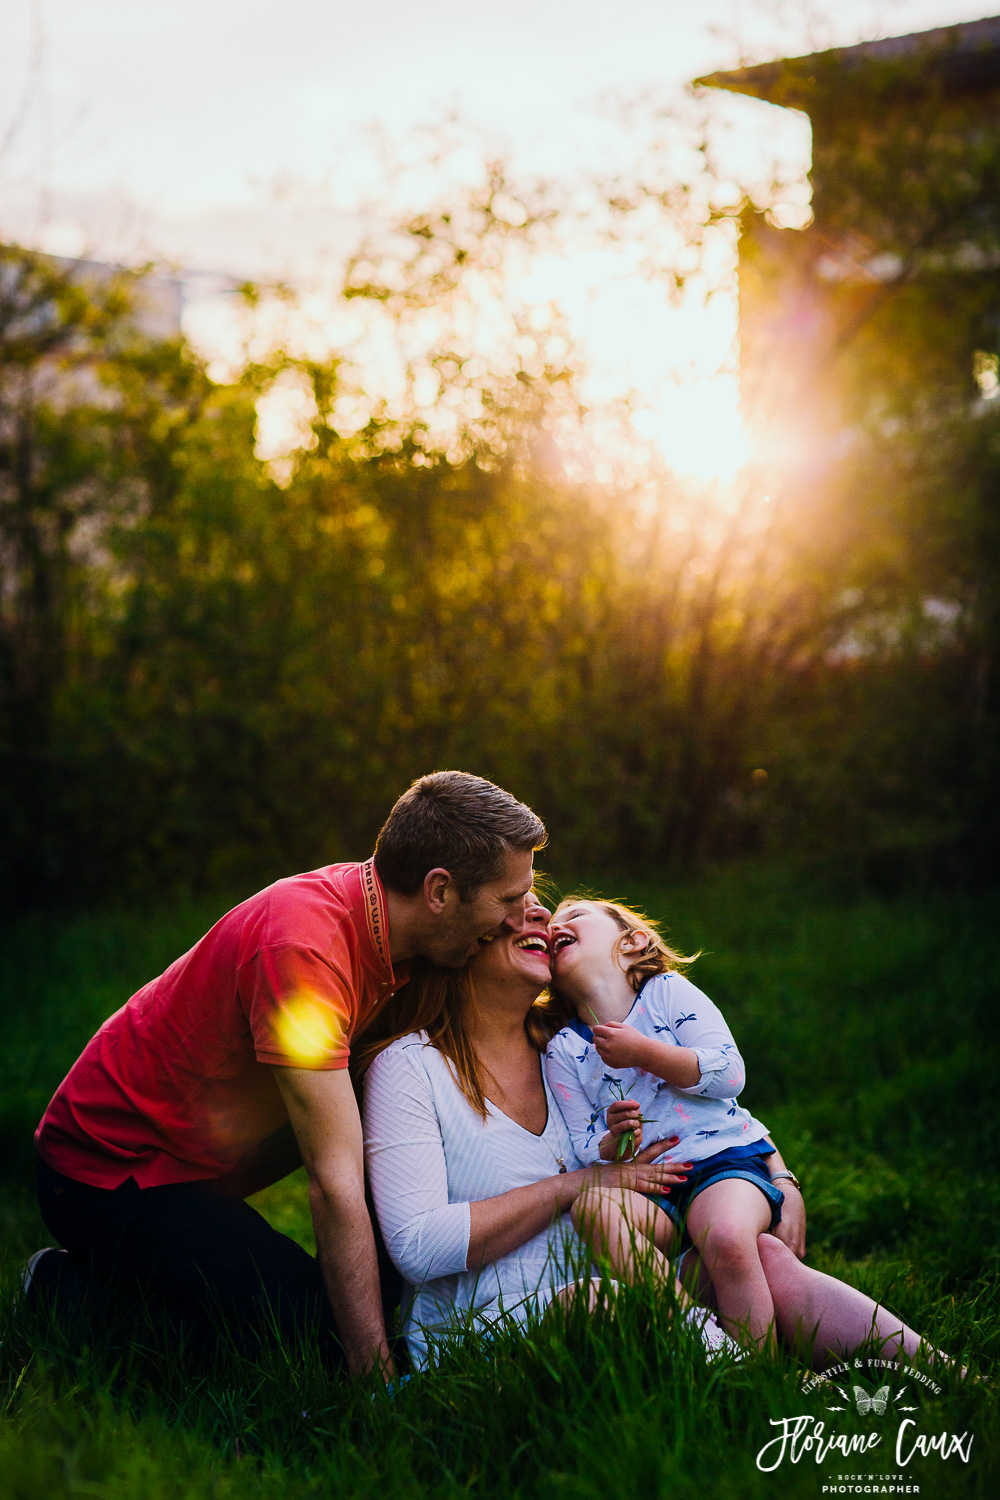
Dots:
{"x": 302, "y": 1010}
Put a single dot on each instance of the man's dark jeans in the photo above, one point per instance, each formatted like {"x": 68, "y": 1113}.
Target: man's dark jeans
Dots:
{"x": 206, "y": 1258}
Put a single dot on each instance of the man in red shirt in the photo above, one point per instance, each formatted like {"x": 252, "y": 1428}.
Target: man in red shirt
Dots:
{"x": 220, "y": 1076}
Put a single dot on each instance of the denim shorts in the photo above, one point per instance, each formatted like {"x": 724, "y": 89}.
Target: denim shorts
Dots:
{"x": 678, "y": 1199}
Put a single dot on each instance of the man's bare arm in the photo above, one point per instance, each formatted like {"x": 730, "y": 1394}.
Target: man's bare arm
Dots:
{"x": 324, "y": 1116}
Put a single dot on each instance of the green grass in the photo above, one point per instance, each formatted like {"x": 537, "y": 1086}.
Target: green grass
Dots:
{"x": 871, "y": 1036}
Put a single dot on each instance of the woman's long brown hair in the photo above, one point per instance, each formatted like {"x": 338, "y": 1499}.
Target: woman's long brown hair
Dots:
{"x": 438, "y": 1001}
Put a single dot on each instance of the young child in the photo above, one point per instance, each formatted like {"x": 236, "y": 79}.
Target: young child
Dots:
{"x": 647, "y": 1044}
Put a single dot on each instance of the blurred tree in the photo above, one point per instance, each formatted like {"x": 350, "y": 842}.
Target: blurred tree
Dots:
{"x": 215, "y": 668}
{"x": 54, "y": 337}
{"x": 870, "y": 342}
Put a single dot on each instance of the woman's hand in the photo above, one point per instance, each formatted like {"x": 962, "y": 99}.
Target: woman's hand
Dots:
{"x": 504, "y": 1223}
{"x": 792, "y": 1229}
{"x": 624, "y": 1115}
{"x": 642, "y": 1175}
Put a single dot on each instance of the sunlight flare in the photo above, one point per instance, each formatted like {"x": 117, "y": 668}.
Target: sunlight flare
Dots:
{"x": 307, "y": 1030}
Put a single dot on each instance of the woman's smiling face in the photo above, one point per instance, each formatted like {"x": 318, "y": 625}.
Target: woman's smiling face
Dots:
{"x": 523, "y": 955}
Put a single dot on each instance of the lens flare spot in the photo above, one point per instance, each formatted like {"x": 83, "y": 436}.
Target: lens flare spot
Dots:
{"x": 308, "y": 1031}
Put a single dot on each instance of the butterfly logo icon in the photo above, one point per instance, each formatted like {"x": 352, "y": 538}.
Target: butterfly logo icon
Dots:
{"x": 876, "y": 1403}
{"x": 866, "y": 1403}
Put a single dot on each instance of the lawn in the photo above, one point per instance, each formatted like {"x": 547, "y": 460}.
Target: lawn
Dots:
{"x": 870, "y": 1029}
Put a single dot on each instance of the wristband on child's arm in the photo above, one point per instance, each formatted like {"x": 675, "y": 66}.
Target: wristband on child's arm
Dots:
{"x": 789, "y": 1176}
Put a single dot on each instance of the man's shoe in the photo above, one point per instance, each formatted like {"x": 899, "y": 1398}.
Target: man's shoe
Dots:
{"x": 41, "y": 1272}
{"x": 51, "y": 1275}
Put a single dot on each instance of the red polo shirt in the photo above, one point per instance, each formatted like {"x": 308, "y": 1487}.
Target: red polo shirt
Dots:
{"x": 178, "y": 1086}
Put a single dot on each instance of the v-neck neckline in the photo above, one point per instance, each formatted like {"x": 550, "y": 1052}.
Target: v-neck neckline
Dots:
{"x": 535, "y": 1136}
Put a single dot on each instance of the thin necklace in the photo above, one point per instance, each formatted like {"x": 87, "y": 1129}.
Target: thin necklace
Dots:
{"x": 548, "y": 1120}
{"x": 550, "y": 1106}
{"x": 557, "y": 1159}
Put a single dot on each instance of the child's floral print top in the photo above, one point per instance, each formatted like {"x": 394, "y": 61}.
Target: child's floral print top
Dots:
{"x": 706, "y": 1117}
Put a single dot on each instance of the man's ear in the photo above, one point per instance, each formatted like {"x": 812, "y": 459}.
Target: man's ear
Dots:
{"x": 438, "y": 888}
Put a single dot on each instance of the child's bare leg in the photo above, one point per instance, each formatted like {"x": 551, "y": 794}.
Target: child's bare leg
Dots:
{"x": 624, "y": 1226}
{"x": 569, "y": 1294}
{"x": 724, "y": 1222}
{"x": 824, "y": 1318}
{"x": 696, "y": 1281}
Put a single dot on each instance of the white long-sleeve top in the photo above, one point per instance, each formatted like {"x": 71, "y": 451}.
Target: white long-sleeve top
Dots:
{"x": 429, "y": 1156}
{"x": 705, "y": 1116}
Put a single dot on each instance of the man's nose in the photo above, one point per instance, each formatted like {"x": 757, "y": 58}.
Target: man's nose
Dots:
{"x": 515, "y": 919}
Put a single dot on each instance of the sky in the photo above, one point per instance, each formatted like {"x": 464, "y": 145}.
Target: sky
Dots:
{"x": 239, "y": 136}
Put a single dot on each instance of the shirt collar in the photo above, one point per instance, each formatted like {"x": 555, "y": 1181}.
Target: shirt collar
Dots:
{"x": 376, "y": 912}
{"x": 371, "y": 920}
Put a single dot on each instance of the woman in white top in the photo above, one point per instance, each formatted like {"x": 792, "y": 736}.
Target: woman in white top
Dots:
{"x": 473, "y": 1192}
{"x": 476, "y": 1185}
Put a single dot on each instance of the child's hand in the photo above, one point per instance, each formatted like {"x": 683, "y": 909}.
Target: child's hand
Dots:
{"x": 624, "y": 1115}
{"x": 619, "y": 1045}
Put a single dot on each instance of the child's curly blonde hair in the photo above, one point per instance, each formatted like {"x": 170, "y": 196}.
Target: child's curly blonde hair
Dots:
{"x": 655, "y": 957}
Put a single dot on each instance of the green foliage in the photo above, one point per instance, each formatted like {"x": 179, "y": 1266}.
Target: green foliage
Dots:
{"x": 621, "y": 1404}
{"x": 214, "y": 669}
{"x": 253, "y": 670}
{"x": 863, "y": 337}
{"x": 855, "y": 1016}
